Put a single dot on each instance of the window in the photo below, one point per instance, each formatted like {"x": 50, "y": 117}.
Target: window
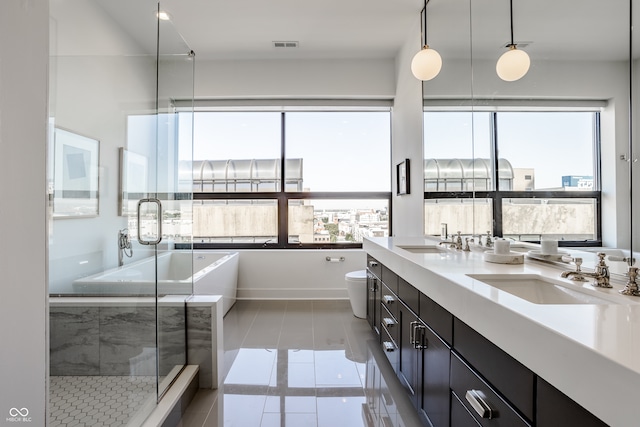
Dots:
{"x": 291, "y": 179}
{"x": 518, "y": 174}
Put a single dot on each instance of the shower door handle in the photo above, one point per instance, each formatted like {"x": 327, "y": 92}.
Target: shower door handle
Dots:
{"x": 158, "y": 238}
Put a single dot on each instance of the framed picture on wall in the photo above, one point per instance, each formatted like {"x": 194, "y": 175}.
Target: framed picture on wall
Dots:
{"x": 75, "y": 175}
{"x": 402, "y": 178}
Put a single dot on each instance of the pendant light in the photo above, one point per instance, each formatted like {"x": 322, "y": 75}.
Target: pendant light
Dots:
{"x": 427, "y": 63}
{"x": 514, "y": 63}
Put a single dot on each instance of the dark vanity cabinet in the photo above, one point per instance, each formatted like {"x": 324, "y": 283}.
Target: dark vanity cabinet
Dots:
{"x": 423, "y": 361}
{"x": 484, "y": 375}
{"x": 453, "y": 375}
{"x": 553, "y": 408}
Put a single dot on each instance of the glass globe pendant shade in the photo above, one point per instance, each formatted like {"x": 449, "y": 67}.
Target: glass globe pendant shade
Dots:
{"x": 426, "y": 64}
{"x": 513, "y": 64}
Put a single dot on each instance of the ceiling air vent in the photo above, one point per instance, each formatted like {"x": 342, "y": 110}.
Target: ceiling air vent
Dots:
{"x": 285, "y": 44}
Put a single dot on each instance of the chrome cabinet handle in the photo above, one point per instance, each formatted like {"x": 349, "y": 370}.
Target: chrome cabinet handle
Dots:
{"x": 374, "y": 285}
{"x": 420, "y": 340}
{"x": 388, "y": 322}
{"x": 373, "y": 264}
{"x": 388, "y": 299}
{"x": 388, "y": 346}
{"x": 477, "y": 401}
{"x": 416, "y": 336}
{"x": 412, "y": 333}
{"x": 158, "y": 238}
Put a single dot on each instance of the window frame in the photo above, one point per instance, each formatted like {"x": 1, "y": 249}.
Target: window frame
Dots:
{"x": 497, "y": 196}
{"x": 283, "y": 196}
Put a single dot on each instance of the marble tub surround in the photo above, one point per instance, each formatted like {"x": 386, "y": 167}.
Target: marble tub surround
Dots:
{"x": 205, "y": 342}
{"x": 590, "y": 352}
{"x": 117, "y": 336}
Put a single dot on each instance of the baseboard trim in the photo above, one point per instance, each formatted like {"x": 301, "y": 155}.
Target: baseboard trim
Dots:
{"x": 292, "y": 294}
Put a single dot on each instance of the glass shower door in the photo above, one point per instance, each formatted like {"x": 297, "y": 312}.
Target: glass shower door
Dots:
{"x": 173, "y": 196}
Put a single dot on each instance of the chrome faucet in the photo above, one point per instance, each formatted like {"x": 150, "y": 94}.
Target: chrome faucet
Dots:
{"x": 455, "y": 243}
{"x": 631, "y": 288}
{"x": 600, "y": 274}
{"x": 488, "y": 241}
{"x": 124, "y": 246}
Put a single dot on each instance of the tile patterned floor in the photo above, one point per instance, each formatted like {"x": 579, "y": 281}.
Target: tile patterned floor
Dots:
{"x": 97, "y": 400}
{"x": 301, "y": 363}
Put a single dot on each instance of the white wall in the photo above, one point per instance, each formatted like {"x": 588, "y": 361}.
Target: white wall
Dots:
{"x": 407, "y": 141}
{"x": 23, "y": 256}
{"x": 296, "y": 274}
{"x": 327, "y": 79}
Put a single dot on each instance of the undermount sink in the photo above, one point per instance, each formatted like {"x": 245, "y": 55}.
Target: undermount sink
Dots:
{"x": 421, "y": 249}
{"x": 540, "y": 290}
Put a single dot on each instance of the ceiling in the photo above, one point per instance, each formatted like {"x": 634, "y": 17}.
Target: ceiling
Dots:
{"x": 246, "y": 29}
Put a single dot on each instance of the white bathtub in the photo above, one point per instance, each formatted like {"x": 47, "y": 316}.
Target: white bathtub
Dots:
{"x": 214, "y": 273}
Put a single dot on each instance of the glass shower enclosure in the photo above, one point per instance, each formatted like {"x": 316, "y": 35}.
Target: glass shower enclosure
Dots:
{"x": 118, "y": 206}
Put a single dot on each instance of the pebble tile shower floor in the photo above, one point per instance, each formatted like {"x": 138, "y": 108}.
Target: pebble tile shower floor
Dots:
{"x": 97, "y": 400}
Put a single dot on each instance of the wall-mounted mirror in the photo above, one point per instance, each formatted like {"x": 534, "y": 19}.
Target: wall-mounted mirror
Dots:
{"x": 540, "y": 156}
{"x": 75, "y": 175}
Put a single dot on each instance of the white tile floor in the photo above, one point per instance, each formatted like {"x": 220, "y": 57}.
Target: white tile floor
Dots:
{"x": 301, "y": 363}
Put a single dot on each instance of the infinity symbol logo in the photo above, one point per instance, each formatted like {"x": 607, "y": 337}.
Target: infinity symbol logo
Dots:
{"x": 14, "y": 412}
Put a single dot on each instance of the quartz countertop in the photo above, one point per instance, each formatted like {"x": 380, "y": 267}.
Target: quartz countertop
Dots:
{"x": 590, "y": 352}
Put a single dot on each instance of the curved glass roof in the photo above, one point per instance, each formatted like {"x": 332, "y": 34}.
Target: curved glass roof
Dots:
{"x": 443, "y": 169}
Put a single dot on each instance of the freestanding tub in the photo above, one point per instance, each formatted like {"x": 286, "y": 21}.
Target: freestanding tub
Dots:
{"x": 214, "y": 273}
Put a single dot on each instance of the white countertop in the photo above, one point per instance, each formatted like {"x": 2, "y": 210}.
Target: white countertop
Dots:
{"x": 589, "y": 352}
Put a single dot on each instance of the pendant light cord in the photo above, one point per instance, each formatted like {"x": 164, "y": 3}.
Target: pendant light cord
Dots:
{"x": 511, "y": 20}
{"x": 425, "y": 22}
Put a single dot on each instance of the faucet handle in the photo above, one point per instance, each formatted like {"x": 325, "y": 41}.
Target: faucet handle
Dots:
{"x": 631, "y": 288}
{"x": 577, "y": 275}
{"x": 630, "y": 261}
{"x": 576, "y": 260}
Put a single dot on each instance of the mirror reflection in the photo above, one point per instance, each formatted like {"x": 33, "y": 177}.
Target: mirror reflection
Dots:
{"x": 538, "y": 157}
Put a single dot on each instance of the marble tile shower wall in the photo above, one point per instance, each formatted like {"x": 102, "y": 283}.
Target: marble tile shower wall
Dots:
{"x": 100, "y": 340}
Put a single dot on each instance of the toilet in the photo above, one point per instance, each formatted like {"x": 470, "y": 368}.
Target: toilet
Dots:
{"x": 357, "y": 290}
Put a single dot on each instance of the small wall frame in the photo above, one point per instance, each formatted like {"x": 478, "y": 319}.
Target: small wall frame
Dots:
{"x": 75, "y": 175}
{"x": 402, "y": 178}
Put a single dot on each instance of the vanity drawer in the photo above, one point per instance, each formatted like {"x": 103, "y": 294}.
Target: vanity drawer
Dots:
{"x": 512, "y": 379}
{"x": 390, "y": 279}
{"x": 390, "y": 322}
{"x": 389, "y": 300}
{"x": 390, "y": 348}
{"x": 486, "y": 406}
{"x": 438, "y": 319}
{"x": 460, "y": 415}
{"x": 409, "y": 295}
{"x": 554, "y": 408}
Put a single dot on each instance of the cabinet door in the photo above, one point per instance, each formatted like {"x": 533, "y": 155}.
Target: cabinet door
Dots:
{"x": 408, "y": 361}
{"x": 433, "y": 370}
{"x": 373, "y": 306}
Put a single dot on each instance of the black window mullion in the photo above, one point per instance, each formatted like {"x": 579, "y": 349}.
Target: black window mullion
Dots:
{"x": 283, "y": 201}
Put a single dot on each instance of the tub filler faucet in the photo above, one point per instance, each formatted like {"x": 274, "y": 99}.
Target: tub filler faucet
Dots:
{"x": 124, "y": 246}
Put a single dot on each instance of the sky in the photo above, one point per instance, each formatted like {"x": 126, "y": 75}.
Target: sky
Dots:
{"x": 553, "y": 143}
